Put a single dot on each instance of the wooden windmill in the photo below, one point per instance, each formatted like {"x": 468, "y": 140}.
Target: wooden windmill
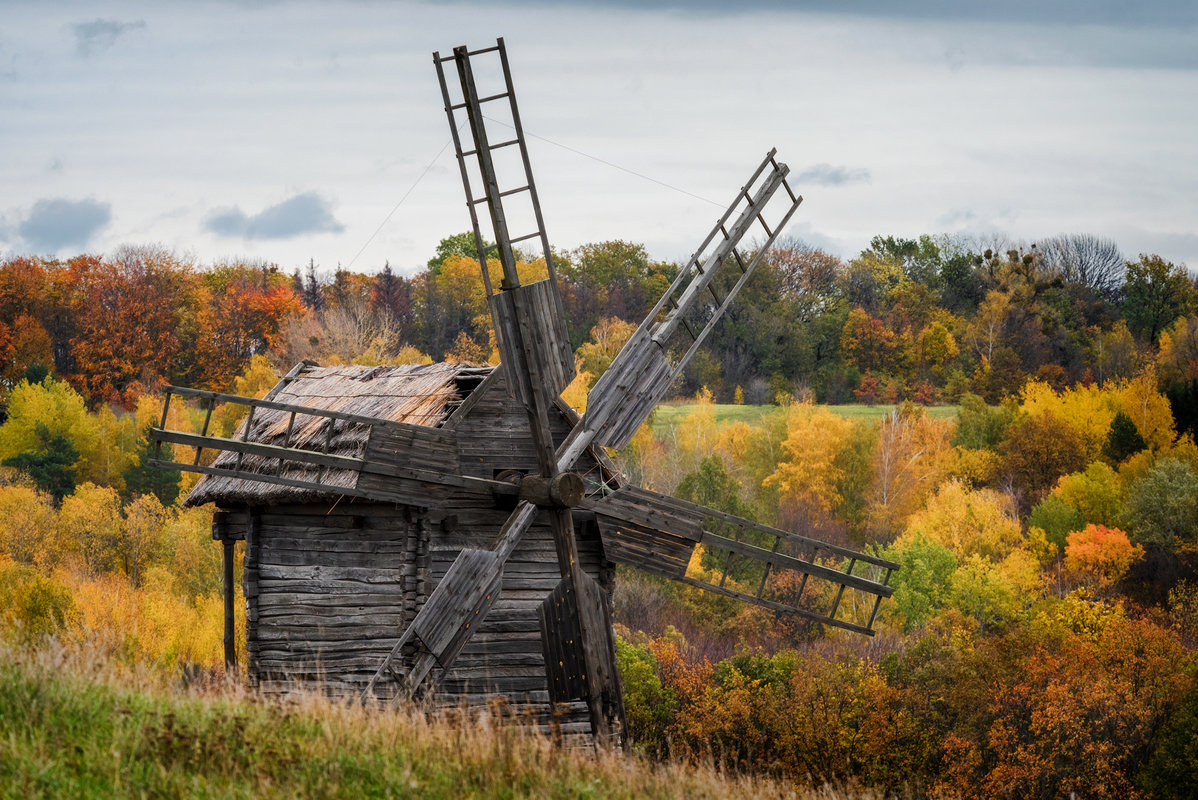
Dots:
{"x": 453, "y": 530}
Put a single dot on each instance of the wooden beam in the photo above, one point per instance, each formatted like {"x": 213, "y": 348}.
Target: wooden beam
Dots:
{"x": 797, "y": 564}
{"x": 318, "y": 459}
{"x": 779, "y": 607}
{"x": 219, "y": 397}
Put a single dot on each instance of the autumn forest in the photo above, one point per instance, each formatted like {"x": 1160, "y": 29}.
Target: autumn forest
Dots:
{"x": 1013, "y": 423}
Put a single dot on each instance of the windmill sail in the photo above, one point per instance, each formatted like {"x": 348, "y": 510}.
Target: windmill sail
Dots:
{"x": 298, "y": 446}
{"x": 530, "y": 329}
{"x": 672, "y": 333}
{"x": 836, "y": 586}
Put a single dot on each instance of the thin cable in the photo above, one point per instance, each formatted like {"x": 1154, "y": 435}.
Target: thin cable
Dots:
{"x": 400, "y": 203}
{"x": 607, "y": 163}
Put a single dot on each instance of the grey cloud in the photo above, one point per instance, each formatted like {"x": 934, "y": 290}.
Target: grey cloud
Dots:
{"x": 829, "y": 175}
{"x": 1078, "y": 12}
{"x": 303, "y": 214}
{"x": 57, "y": 223}
{"x": 100, "y": 34}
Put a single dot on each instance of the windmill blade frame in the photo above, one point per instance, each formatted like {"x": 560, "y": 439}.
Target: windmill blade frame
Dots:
{"x": 660, "y": 534}
{"x": 642, "y": 372}
{"x": 530, "y": 329}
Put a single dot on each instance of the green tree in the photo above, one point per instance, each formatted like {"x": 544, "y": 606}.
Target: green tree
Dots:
{"x": 458, "y": 244}
{"x": 650, "y": 707}
{"x": 713, "y": 486}
{"x": 1096, "y": 493}
{"x": 51, "y": 464}
{"x": 1162, "y": 506}
{"x": 983, "y": 590}
{"x": 1057, "y": 519}
{"x": 1156, "y": 293}
{"x": 921, "y": 585}
{"x": 1172, "y": 772}
{"x": 980, "y": 426}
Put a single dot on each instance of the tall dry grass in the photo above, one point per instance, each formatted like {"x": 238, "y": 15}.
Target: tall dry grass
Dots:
{"x": 76, "y": 723}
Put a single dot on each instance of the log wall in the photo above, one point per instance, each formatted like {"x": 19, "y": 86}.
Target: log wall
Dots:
{"x": 331, "y": 587}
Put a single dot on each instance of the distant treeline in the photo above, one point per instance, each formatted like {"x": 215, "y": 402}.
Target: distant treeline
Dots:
{"x": 926, "y": 320}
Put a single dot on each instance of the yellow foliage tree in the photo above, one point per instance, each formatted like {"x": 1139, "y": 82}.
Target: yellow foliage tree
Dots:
{"x": 575, "y": 394}
{"x": 459, "y": 282}
{"x": 140, "y": 539}
{"x": 607, "y": 337}
{"x": 411, "y": 355}
{"x": 1148, "y": 408}
{"x": 911, "y": 456}
{"x": 98, "y": 438}
{"x": 967, "y": 521}
{"x": 808, "y": 472}
{"x": 191, "y": 563}
{"x": 1088, "y": 410}
{"x": 696, "y": 434}
{"x": 28, "y": 533}
{"x": 90, "y": 521}
{"x": 468, "y": 351}
{"x": 1178, "y": 356}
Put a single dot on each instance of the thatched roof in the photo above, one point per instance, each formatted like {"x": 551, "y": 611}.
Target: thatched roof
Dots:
{"x": 416, "y": 394}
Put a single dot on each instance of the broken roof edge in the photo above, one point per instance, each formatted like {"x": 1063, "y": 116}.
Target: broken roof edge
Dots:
{"x": 419, "y": 394}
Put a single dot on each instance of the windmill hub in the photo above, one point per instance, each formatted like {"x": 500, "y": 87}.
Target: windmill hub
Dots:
{"x": 563, "y": 490}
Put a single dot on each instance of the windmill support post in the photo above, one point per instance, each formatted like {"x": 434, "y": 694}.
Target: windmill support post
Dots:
{"x": 224, "y": 533}
{"x": 230, "y": 639}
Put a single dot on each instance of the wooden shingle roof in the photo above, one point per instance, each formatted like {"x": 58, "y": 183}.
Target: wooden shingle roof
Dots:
{"x": 417, "y": 394}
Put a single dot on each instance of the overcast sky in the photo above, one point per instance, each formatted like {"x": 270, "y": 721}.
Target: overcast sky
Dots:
{"x": 291, "y": 130}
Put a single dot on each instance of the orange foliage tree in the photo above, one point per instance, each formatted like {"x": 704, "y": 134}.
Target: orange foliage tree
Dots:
{"x": 1102, "y": 552}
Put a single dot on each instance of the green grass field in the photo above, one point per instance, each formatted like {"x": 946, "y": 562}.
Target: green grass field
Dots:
{"x": 669, "y": 415}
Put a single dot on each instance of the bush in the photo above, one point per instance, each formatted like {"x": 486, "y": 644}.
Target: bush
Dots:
{"x": 32, "y": 607}
{"x": 649, "y": 707}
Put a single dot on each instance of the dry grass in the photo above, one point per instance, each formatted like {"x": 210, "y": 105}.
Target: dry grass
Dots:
{"x": 74, "y": 724}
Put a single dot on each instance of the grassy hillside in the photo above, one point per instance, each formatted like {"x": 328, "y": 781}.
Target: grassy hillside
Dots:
{"x": 73, "y": 729}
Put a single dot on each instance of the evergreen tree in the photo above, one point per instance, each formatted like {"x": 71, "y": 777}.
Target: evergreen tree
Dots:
{"x": 312, "y": 296}
{"x": 37, "y": 372}
{"x": 51, "y": 465}
{"x": 1123, "y": 440}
